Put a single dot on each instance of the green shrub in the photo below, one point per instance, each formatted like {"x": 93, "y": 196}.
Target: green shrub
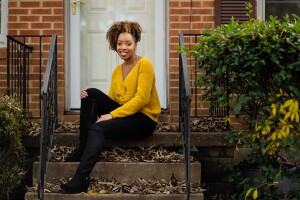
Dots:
{"x": 12, "y": 152}
{"x": 259, "y": 64}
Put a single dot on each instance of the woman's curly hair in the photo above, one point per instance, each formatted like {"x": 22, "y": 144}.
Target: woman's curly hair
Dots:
{"x": 123, "y": 27}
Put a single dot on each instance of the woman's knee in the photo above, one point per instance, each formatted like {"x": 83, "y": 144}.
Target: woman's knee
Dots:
{"x": 94, "y": 93}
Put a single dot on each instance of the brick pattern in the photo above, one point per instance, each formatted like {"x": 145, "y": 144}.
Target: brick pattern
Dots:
{"x": 32, "y": 17}
{"x": 47, "y": 17}
{"x": 185, "y": 17}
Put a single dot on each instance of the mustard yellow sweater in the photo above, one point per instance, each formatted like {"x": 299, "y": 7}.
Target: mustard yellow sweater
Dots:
{"x": 137, "y": 92}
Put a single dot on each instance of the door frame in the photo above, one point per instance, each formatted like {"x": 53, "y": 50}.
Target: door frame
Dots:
{"x": 4, "y": 19}
{"x": 260, "y": 9}
{"x": 72, "y": 55}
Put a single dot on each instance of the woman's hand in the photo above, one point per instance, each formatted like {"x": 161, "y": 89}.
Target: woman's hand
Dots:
{"x": 83, "y": 93}
{"x": 105, "y": 117}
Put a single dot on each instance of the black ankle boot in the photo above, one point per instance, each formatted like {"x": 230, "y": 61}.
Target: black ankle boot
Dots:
{"x": 75, "y": 156}
{"x": 76, "y": 185}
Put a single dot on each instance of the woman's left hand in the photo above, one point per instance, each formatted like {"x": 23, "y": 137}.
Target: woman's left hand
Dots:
{"x": 105, "y": 117}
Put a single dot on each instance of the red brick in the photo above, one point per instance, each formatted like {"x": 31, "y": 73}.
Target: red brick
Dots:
{"x": 29, "y": 18}
{"x": 50, "y": 32}
{"x": 29, "y": 32}
{"x": 59, "y": 11}
{"x": 208, "y": 18}
{"x": 12, "y": 11}
{"x": 180, "y": 25}
{"x": 18, "y": 26}
{"x": 179, "y": 11}
{"x": 53, "y": 4}
{"x": 41, "y": 11}
{"x": 40, "y": 25}
{"x": 58, "y": 25}
{"x": 12, "y": 18}
{"x": 52, "y": 18}
{"x": 209, "y": 4}
{"x": 12, "y": 4}
{"x": 207, "y": 11}
{"x": 174, "y": 4}
{"x": 30, "y": 4}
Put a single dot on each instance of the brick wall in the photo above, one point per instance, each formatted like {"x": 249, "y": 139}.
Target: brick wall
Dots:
{"x": 44, "y": 17}
{"x": 185, "y": 17}
{"x": 47, "y": 17}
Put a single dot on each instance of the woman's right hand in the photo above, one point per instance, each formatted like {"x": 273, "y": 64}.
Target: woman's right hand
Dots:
{"x": 83, "y": 94}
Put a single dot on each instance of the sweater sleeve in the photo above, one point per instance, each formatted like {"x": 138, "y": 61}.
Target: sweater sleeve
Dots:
{"x": 146, "y": 78}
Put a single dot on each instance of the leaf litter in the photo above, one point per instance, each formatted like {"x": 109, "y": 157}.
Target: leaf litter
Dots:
{"x": 154, "y": 154}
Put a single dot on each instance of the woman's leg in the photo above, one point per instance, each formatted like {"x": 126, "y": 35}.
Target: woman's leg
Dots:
{"x": 132, "y": 127}
{"x": 95, "y": 104}
{"x": 136, "y": 126}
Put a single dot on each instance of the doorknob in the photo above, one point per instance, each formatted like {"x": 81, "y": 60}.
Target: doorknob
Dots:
{"x": 74, "y": 5}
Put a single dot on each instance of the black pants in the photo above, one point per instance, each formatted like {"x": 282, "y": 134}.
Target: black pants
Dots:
{"x": 93, "y": 135}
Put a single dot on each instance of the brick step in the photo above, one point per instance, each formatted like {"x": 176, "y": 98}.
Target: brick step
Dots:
{"x": 118, "y": 196}
{"x": 123, "y": 172}
{"x": 201, "y": 139}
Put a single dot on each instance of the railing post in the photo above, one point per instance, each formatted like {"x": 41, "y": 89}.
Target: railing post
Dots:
{"x": 184, "y": 110}
{"x": 24, "y": 78}
{"x": 8, "y": 66}
{"x": 49, "y": 113}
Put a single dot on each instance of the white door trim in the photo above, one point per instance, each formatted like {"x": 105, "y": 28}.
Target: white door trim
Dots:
{"x": 73, "y": 98}
{"x": 260, "y": 9}
{"x": 4, "y": 17}
{"x": 74, "y": 61}
{"x": 160, "y": 53}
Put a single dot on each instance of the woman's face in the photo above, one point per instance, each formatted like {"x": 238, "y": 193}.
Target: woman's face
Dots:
{"x": 126, "y": 46}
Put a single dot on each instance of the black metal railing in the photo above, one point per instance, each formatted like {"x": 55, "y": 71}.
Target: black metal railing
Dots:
{"x": 49, "y": 113}
{"x": 24, "y": 70}
{"x": 184, "y": 110}
{"x": 18, "y": 70}
{"x": 200, "y": 108}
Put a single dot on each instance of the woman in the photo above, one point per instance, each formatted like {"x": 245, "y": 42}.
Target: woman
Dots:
{"x": 130, "y": 111}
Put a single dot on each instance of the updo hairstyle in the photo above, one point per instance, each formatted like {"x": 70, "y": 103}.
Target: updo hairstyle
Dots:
{"x": 117, "y": 28}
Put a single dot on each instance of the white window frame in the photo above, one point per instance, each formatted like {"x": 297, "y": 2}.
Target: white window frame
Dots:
{"x": 260, "y": 9}
{"x": 4, "y": 18}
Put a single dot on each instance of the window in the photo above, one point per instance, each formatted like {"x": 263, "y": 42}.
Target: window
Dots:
{"x": 3, "y": 22}
{"x": 279, "y": 8}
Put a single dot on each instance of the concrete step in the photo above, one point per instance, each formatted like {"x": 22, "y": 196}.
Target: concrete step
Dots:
{"x": 118, "y": 196}
{"x": 200, "y": 139}
{"x": 123, "y": 172}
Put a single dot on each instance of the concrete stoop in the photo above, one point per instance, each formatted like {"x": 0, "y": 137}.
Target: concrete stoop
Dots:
{"x": 117, "y": 196}
{"x": 123, "y": 173}
{"x": 126, "y": 172}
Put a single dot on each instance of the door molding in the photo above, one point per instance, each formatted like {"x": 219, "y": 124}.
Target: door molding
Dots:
{"x": 4, "y": 19}
{"x": 72, "y": 55}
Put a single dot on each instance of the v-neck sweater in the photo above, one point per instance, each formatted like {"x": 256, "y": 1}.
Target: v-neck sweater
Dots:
{"x": 137, "y": 92}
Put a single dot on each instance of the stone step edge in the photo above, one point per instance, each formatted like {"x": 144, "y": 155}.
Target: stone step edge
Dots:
{"x": 168, "y": 139}
{"x": 122, "y": 172}
{"x": 117, "y": 196}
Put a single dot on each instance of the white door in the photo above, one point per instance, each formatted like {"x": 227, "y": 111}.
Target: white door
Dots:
{"x": 91, "y": 60}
